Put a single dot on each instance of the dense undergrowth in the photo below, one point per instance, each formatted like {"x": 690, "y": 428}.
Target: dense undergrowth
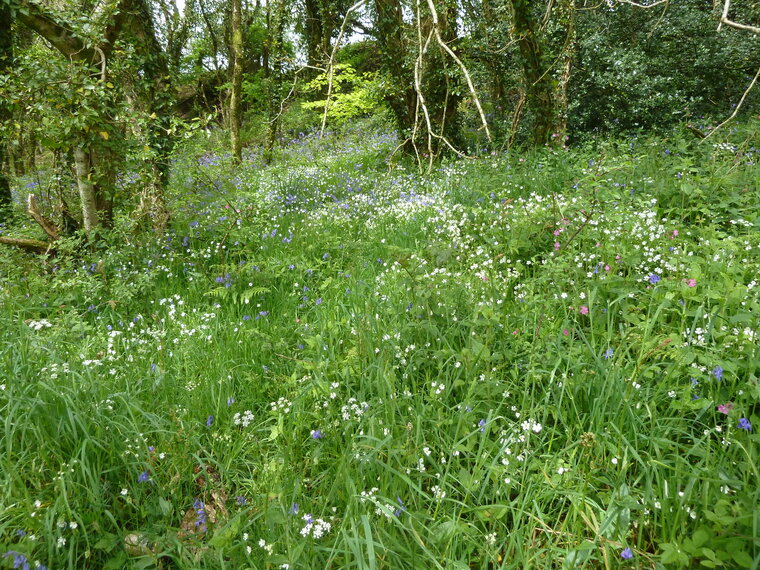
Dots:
{"x": 534, "y": 360}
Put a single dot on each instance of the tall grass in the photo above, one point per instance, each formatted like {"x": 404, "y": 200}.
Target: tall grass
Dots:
{"x": 536, "y": 360}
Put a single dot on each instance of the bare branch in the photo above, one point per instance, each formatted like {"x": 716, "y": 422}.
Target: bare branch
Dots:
{"x": 738, "y": 26}
{"x": 638, "y": 5}
{"x": 48, "y": 226}
{"x": 738, "y": 106}
{"x": 461, "y": 65}
{"x": 724, "y": 20}
{"x": 418, "y": 86}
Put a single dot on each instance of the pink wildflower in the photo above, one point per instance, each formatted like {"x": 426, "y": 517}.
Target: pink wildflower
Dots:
{"x": 584, "y": 310}
{"x": 725, "y": 408}
{"x": 692, "y": 282}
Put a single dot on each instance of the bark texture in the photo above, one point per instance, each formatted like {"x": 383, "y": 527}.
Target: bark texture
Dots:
{"x": 389, "y": 29}
{"x": 236, "y": 112}
{"x": 6, "y": 64}
{"x": 86, "y": 189}
{"x": 544, "y": 97}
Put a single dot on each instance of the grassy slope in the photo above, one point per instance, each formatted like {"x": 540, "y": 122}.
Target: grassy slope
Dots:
{"x": 515, "y": 362}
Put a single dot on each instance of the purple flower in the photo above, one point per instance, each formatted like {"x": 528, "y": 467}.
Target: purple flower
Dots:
{"x": 230, "y": 401}
{"x": 626, "y": 554}
{"x": 294, "y": 509}
{"x": 482, "y": 425}
{"x": 200, "y": 515}
{"x": 654, "y": 278}
{"x": 401, "y": 508}
{"x": 718, "y": 372}
{"x": 209, "y": 421}
{"x": 317, "y": 434}
{"x": 241, "y": 500}
{"x": 143, "y": 477}
{"x": 608, "y": 354}
{"x": 744, "y": 424}
{"x": 19, "y": 560}
{"x": 319, "y": 301}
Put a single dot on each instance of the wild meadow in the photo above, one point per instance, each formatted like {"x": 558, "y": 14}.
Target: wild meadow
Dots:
{"x": 537, "y": 359}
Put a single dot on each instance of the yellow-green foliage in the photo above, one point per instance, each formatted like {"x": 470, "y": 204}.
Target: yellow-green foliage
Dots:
{"x": 353, "y": 94}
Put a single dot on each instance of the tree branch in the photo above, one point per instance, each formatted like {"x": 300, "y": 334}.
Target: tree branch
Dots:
{"x": 48, "y": 226}
{"x": 738, "y": 106}
{"x": 638, "y": 5}
{"x": 65, "y": 40}
{"x": 35, "y": 17}
{"x": 461, "y": 65}
{"x": 724, "y": 20}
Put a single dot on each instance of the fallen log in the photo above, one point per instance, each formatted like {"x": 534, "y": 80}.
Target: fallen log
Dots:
{"x": 32, "y": 245}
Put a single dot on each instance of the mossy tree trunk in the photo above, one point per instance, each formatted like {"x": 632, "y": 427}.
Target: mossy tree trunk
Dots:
{"x": 545, "y": 87}
{"x": 400, "y": 96}
{"x": 236, "y": 113}
{"x": 6, "y": 64}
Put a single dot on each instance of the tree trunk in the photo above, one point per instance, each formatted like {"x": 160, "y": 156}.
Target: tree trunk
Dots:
{"x": 273, "y": 48}
{"x": 541, "y": 87}
{"x": 93, "y": 165}
{"x": 87, "y": 194}
{"x": 313, "y": 34}
{"x": 401, "y": 98}
{"x": 6, "y": 65}
{"x": 566, "y": 15}
{"x": 158, "y": 102}
{"x": 236, "y": 114}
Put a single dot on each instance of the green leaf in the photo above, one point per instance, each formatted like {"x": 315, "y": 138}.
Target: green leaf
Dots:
{"x": 579, "y": 556}
{"x": 700, "y": 537}
{"x": 166, "y": 506}
{"x": 225, "y": 536}
{"x": 742, "y": 558}
{"x": 107, "y": 542}
{"x": 116, "y": 562}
